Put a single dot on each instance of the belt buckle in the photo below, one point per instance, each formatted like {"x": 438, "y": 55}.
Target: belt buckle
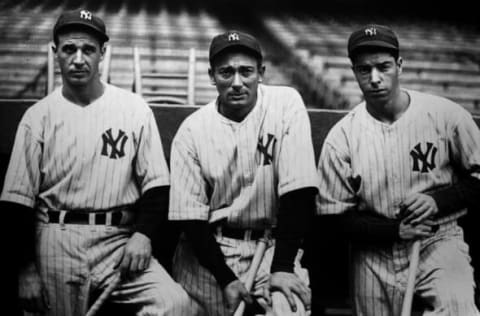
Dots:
{"x": 247, "y": 235}
{"x": 61, "y": 219}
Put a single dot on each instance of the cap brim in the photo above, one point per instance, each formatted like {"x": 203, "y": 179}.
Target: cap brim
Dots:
{"x": 381, "y": 44}
{"x": 86, "y": 25}
{"x": 229, "y": 46}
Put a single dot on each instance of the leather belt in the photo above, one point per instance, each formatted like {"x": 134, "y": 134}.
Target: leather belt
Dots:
{"x": 237, "y": 233}
{"x": 92, "y": 218}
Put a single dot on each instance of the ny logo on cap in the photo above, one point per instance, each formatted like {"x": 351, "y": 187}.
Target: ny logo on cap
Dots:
{"x": 371, "y": 31}
{"x": 87, "y": 15}
{"x": 233, "y": 37}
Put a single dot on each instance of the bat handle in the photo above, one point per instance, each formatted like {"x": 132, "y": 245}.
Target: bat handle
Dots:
{"x": 412, "y": 272}
{"x": 104, "y": 296}
{"x": 240, "y": 309}
{"x": 255, "y": 264}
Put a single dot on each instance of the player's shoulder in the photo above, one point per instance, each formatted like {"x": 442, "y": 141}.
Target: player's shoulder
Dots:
{"x": 43, "y": 106}
{"x": 350, "y": 118}
{"x": 125, "y": 97}
{"x": 287, "y": 95}
{"x": 347, "y": 126}
{"x": 279, "y": 90}
{"x": 437, "y": 107}
{"x": 126, "y": 103}
{"x": 201, "y": 117}
{"x": 279, "y": 101}
{"x": 434, "y": 103}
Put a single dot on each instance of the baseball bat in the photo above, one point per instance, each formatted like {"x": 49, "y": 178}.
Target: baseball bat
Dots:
{"x": 104, "y": 296}
{"x": 252, "y": 271}
{"x": 412, "y": 273}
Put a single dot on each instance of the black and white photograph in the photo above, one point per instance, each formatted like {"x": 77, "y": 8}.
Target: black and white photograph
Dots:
{"x": 240, "y": 158}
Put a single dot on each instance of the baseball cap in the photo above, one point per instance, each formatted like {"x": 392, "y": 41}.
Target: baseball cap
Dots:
{"x": 83, "y": 18}
{"x": 373, "y": 35}
{"x": 234, "y": 39}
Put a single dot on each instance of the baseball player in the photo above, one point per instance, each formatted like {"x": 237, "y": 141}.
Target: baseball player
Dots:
{"x": 88, "y": 165}
{"x": 411, "y": 159}
{"x": 241, "y": 164}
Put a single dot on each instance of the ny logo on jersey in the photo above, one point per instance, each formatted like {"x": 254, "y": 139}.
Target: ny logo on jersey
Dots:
{"x": 87, "y": 15}
{"x": 427, "y": 158}
{"x": 267, "y": 149}
{"x": 117, "y": 145}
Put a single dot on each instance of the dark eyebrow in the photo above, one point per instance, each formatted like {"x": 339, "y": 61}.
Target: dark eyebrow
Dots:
{"x": 68, "y": 45}
{"x": 87, "y": 45}
{"x": 248, "y": 67}
{"x": 385, "y": 63}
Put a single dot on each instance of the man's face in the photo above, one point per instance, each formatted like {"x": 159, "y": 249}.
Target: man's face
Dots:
{"x": 79, "y": 55}
{"x": 377, "y": 75}
{"x": 236, "y": 76}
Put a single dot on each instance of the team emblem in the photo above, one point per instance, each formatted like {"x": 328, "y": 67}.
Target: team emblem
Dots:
{"x": 87, "y": 15}
{"x": 371, "y": 31}
{"x": 425, "y": 159}
{"x": 233, "y": 37}
{"x": 117, "y": 145}
{"x": 267, "y": 149}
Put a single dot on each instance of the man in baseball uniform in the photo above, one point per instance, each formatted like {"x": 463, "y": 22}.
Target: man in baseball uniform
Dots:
{"x": 401, "y": 166}
{"x": 240, "y": 165}
{"x": 88, "y": 165}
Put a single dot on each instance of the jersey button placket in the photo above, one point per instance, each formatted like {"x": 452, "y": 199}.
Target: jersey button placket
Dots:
{"x": 242, "y": 155}
{"x": 396, "y": 168}
{"x": 388, "y": 132}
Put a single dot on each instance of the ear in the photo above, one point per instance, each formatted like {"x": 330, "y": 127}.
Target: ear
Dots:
{"x": 102, "y": 51}
{"x": 400, "y": 64}
{"x": 54, "y": 48}
{"x": 212, "y": 78}
{"x": 261, "y": 72}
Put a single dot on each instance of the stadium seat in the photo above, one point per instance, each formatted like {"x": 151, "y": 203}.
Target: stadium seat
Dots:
{"x": 152, "y": 84}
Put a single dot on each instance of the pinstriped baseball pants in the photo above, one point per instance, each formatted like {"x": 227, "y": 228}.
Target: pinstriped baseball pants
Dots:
{"x": 444, "y": 281}
{"x": 202, "y": 286}
{"x": 77, "y": 260}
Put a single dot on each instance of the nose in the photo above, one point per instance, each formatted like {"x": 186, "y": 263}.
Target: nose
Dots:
{"x": 375, "y": 76}
{"x": 237, "y": 80}
{"x": 78, "y": 60}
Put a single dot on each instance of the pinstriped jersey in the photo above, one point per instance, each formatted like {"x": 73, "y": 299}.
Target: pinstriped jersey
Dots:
{"x": 222, "y": 169}
{"x": 375, "y": 166}
{"x": 96, "y": 157}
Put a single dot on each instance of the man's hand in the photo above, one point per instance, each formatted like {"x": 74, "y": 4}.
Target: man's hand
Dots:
{"x": 136, "y": 255}
{"x": 31, "y": 291}
{"x": 409, "y": 231}
{"x": 234, "y": 293}
{"x": 288, "y": 283}
{"x": 417, "y": 208}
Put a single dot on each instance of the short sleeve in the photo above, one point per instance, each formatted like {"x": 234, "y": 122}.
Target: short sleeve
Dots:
{"x": 22, "y": 180}
{"x": 465, "y": 144}
{"x": 337, "y": 183}
{"x": 296, "y": 156}
{"x": 150, "y": 167}
{"x": 188, "y": 191}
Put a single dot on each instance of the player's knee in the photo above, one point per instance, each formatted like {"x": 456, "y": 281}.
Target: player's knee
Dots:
{"x": 457, "y": 300}
{"x": 180, "y": 300}
{"x": 281, "y": 306}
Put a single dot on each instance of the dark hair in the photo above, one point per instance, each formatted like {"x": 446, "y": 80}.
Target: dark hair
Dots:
{"x": 371, "y": 50}
{"x": 70, "y": 28}
{"x": 237, "y": 49}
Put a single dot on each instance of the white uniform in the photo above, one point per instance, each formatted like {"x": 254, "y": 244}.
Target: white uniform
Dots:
{"x": 86, "y": 159}
{"x": 235, "y": 171}
{"x": 370, "y": 165}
